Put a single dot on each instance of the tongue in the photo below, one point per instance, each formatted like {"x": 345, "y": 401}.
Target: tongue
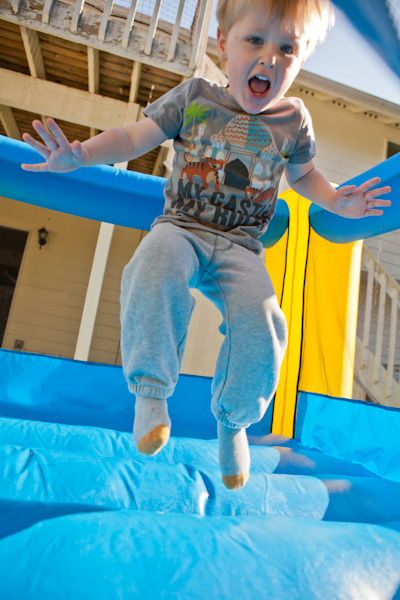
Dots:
{"x": 258, "y": 86}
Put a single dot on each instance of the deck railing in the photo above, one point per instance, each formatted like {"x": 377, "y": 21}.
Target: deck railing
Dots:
{"x": 378, "y": 343}
{"x": 170, "y": 31}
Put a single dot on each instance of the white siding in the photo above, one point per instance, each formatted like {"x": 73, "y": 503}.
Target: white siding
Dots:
{"x": 52, "y": 281}
{"x": 105, "y": 343}
{"x": 349, "y": 144}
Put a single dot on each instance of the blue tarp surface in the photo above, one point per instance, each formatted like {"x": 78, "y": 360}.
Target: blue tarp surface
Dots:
{"x": 83, "y": 515}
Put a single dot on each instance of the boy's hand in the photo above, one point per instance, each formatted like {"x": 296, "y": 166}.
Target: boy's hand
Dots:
{"x": 59, "y": 154}
{"x": 356, "y": 202}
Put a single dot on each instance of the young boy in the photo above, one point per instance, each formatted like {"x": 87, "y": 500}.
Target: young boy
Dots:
{"x": 232, "y": 145}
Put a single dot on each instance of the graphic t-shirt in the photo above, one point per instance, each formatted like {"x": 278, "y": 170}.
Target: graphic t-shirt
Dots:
{"x": 227, "y": 163}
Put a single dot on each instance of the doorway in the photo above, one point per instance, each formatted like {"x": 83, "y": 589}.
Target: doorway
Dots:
{"x": 12, "y": 245}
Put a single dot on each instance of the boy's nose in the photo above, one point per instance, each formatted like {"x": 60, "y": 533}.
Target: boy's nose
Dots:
{"x": 268, "y": 60}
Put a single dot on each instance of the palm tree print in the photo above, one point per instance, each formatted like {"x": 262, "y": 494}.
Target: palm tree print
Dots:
{"x": 195, "y": 111}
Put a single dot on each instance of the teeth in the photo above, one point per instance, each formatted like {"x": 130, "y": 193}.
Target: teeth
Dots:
{"x": 262, "y": 77}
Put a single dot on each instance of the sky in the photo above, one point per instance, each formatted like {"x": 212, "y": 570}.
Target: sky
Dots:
{"x": 347, "y": 58}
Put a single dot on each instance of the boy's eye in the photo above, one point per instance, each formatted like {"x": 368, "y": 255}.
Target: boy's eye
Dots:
{"x": 255, "y": 40}
{"x": 287, "y": 49}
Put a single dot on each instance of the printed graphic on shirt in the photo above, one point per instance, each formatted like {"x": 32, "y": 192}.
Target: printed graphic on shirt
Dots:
{"x": 240, "y": 167}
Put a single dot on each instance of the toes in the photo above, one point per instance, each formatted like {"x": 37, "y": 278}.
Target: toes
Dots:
{"x": 154, "y": 440}
{"x": 235, "y": 482}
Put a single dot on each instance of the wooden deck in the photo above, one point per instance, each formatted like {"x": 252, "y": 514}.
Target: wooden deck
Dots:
{"x": 92, "y": 65}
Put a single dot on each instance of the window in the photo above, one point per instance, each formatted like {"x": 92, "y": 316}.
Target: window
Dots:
{"x": 392, "y": 149}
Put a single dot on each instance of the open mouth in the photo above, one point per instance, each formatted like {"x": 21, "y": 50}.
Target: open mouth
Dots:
{"x": 259, "y": 85}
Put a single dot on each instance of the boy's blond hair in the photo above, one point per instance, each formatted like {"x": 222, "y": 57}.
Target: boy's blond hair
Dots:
{"x": 312, "y": 18}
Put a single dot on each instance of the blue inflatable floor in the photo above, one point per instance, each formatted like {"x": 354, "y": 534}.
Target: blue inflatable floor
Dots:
{"x": 84, "y": 516}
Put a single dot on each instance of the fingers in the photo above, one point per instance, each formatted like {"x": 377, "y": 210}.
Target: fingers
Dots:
{"x": 346, "y": 190}
{"x": 59, "y": 154}
{"x": 377, "y": 192}
{"x": 372, "y": 207}
{"x": 54, "y": 138}
{"x": 41, "y": 148}
{"x": 77, "y": 150}
{"x": 367, "y": 185}
{"x": 48, "y": 139}
{"x": 365, "y": 188}
{"x": 57, "y": 132}
{"x": 37, "y": 168}
{"x": 378, "y": 202}
{"x": 373, "y": 213}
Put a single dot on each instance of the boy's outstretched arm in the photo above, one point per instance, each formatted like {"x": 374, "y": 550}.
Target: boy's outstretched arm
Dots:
{"x": 349, "y": 201}
{"x": 112, "y": 146}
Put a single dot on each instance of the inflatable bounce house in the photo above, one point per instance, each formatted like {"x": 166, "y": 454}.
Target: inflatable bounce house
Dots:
{"x": 84, "y": 516}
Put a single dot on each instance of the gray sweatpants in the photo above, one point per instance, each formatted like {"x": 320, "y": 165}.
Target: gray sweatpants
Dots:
{"x": 156, "y": 306}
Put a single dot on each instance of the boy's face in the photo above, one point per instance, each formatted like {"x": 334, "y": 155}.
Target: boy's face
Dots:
{"x": 262, "y": 56}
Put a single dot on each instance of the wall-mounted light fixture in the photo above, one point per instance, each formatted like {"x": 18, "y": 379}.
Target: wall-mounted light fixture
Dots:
{"x": 42, "y": 237}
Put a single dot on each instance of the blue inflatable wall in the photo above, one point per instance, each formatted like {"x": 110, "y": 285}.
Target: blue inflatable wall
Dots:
{"x": 84, "y": 516}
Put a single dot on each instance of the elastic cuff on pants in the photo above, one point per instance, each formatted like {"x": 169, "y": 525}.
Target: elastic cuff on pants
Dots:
{"x": 222, "y": 416}
{"x": 150, "y": 391}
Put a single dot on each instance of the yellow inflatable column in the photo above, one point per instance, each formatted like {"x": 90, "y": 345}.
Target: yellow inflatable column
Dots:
{"x": 317, "y": 283}
{"x": 293, "y": 265}
{"x": 330, "y": 317}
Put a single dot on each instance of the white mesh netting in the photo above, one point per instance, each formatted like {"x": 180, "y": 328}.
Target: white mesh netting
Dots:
{"x": 168, "y": 12}
{"x": 394, "y": 12}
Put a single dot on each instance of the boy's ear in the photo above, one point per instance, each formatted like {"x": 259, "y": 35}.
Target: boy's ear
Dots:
{"x": 221, "y": 45}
